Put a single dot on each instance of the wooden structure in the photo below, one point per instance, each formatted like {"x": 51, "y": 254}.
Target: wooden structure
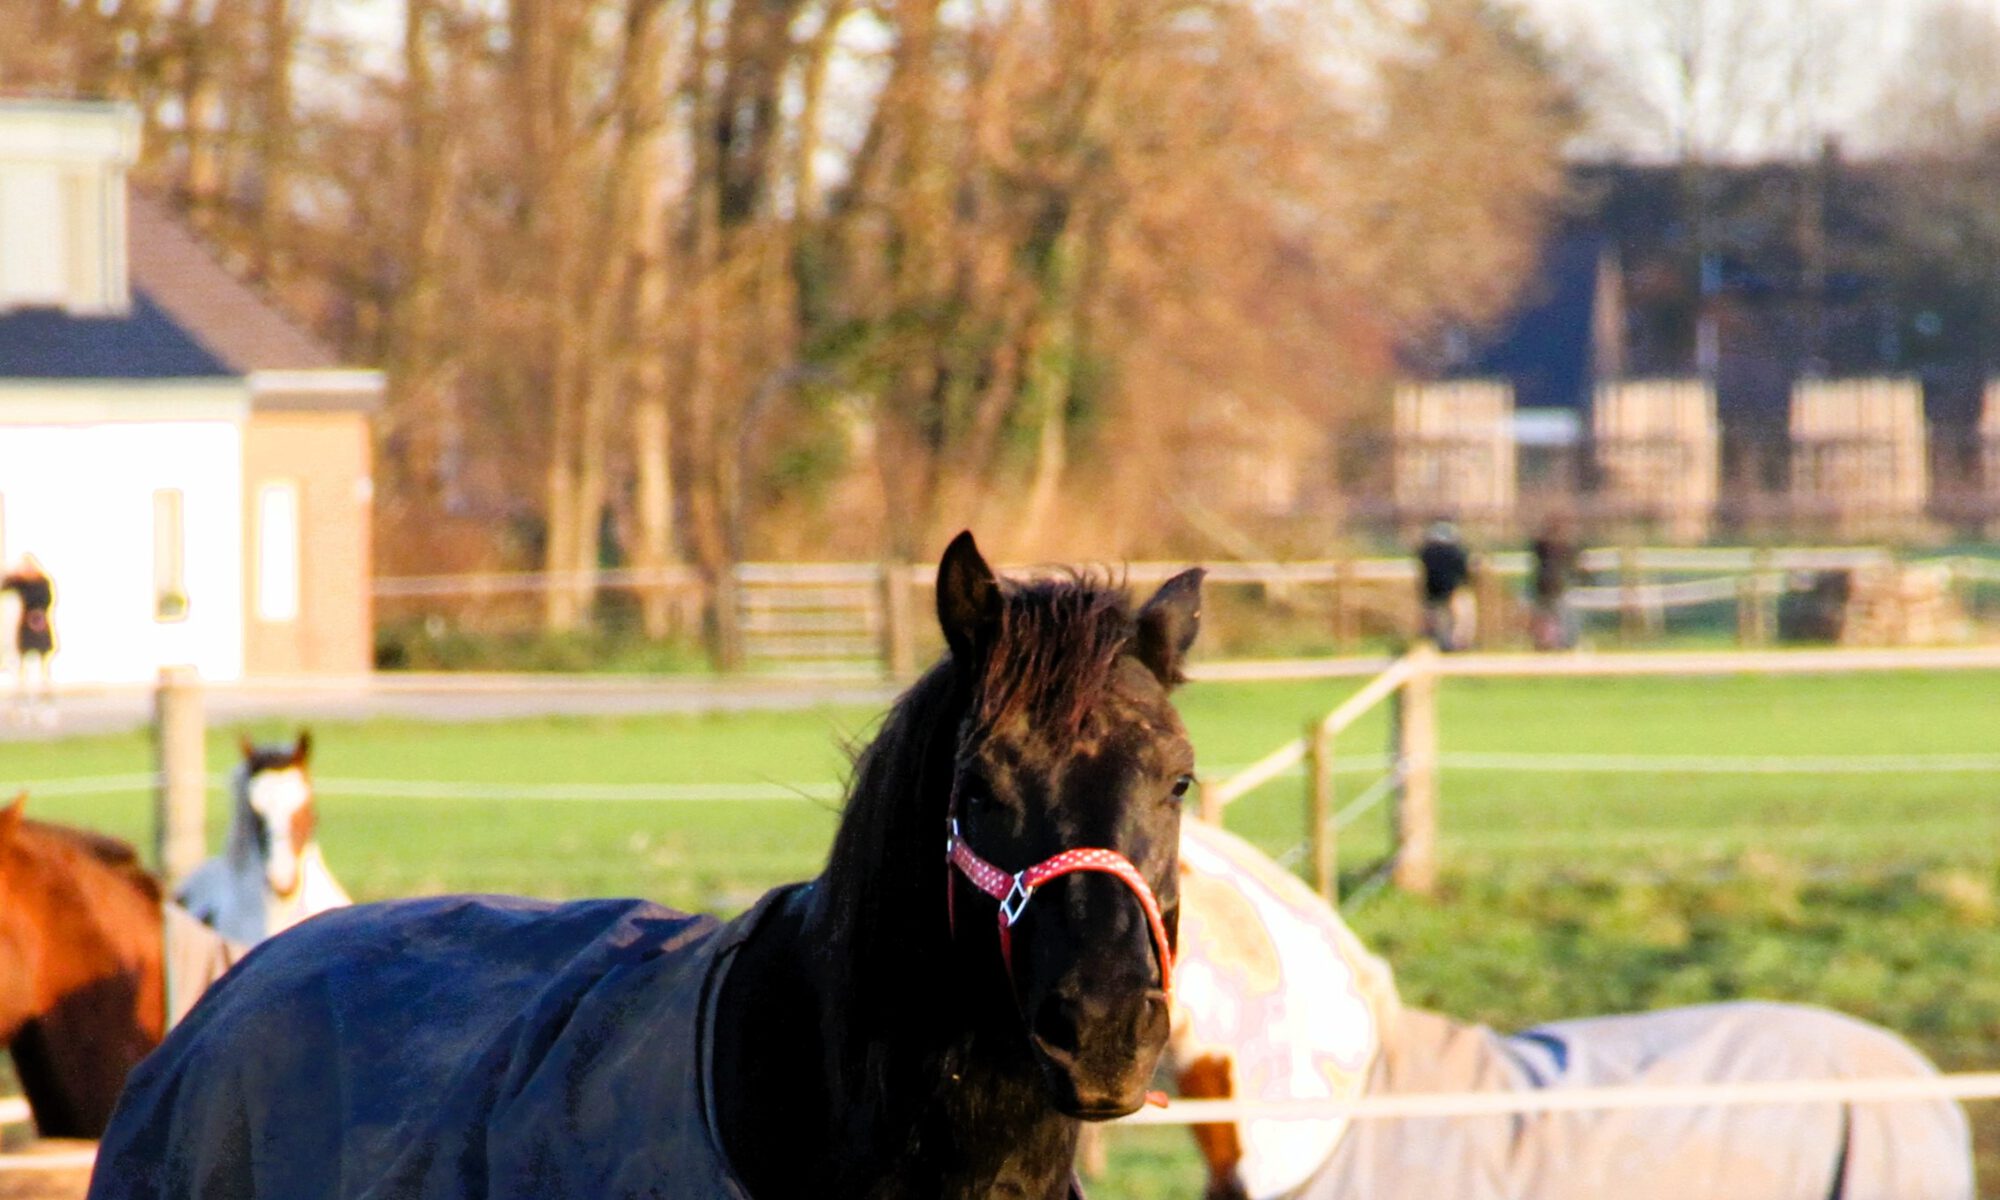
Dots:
{"x": 814, "y": 617}
{"x": 180, "y": 757}
{"x": 1410, "y": 685}
{"x": 1895, "y": 604}
{"x": 1657, "y": 444}
{"x": 1253, "y": 459}
{"x": 1860, "y": 454}
{"x": 1454, "y": 451}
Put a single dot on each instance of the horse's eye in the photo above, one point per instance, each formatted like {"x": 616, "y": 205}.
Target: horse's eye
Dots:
{"x": 1182, "y": 785}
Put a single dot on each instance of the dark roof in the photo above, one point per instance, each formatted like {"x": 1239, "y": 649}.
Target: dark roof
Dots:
{"x": 1543, "y": 346}
{"x": 47, "y": 343}
{"x": 190, "y": 318}
{"x": 1872, "y": 307}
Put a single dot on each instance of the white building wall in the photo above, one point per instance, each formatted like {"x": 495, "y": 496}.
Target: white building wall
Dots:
{"x": 80, "y": 498}
{"x": 62, "y": 204}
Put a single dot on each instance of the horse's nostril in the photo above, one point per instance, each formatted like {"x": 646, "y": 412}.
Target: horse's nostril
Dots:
{"x": 1057, "y": 1027}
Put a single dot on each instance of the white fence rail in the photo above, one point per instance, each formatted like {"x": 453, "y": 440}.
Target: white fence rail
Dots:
{"x": 1414, "y": 758}
{"x": 862, "y": 612}
{"x": 1976, "y": 1085}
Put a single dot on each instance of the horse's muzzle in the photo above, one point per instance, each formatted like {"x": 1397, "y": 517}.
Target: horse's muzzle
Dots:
{"x": 1098, "y": 1054}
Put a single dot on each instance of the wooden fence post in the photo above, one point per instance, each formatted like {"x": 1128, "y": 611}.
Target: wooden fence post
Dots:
{"x": 1210, "y": 809}
{"x": 1490, "y": 599}
{"x": 1766, "y": 617}
{"x": 899, "y": 650}
{"x": 1748, "y": 605}
{"x": 1415, "y": 824}
{"x": 180, "y": 755}
{"x": 1630, "y": 617}
{"x": 1325, "y": 838}
{"x": 729, "y": 620}
{"x": 1346, "y": 626}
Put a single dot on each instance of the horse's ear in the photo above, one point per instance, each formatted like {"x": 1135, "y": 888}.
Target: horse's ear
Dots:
{"x": 10, "y": 816}
{"x": 248, "y": 747}
{"x": 1168, "y": 623}
{"x": 968, "y": 600}
{"x": 302, "y": 747}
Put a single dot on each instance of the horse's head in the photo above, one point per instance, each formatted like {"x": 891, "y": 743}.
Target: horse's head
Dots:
{"x": 274, "y": 805}
{"x": 1070, "y": 744}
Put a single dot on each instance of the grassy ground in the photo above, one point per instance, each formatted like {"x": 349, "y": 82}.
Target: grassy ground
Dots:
{"x": 1565, "y": 893}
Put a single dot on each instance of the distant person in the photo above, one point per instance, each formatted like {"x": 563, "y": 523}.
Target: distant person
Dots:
{"x": 1446, "y": 567}
{"x": 34, "y": 635}
{"x": 1554, "y": 620}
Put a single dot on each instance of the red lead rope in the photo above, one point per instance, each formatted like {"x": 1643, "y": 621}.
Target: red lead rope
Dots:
{"x": 1014, "y": 891}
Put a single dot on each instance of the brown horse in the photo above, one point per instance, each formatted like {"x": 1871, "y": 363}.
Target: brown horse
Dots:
{"x": 82, "y": 982}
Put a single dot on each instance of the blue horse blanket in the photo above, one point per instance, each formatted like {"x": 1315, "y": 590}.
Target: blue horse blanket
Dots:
{"x": 443, "y": 1049}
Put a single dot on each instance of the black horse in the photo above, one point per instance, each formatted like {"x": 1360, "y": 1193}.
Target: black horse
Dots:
{"x": 874, "y": 1032}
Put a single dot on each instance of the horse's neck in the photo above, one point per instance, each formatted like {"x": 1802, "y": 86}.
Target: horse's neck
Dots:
{"x": 99, "y": 926}
{"x": 318, "y": 889}
{"x": 238, "y": 898}
{"x": 951, "y": 1107}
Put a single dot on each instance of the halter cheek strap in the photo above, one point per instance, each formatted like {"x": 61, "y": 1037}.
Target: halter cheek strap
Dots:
{"x": 1015, "y": 890}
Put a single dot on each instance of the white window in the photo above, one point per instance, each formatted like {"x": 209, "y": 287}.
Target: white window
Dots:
{"x": 170, "y": 599}
{"x": 34, "y": 236}
{"x": 278, "y": 551}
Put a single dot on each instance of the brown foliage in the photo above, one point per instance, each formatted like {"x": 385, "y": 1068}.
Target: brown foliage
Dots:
{"x": 836, "y": 276}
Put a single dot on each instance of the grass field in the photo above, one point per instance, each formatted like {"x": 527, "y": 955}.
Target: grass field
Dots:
{"x": 1566, "y": 892}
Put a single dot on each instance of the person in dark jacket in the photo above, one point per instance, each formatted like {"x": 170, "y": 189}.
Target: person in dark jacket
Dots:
{"x": 34, "y": 634}
{"x": 1445, "y": 568}
{"x": 1555, "y": 554}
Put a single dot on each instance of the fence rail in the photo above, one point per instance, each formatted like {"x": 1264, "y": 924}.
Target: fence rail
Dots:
{"x": 1296, "y": 572}
{"x": 863, "y": 615}
{"x": 1413, "y": 760}
{"x": 1971, "y": 1085}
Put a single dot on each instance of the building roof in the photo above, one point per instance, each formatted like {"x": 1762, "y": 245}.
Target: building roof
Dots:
{"x": 145, "y": 343}
{"x": 1544, "y": 345}
{"x": 1871, "y": 305}
{"x": 229, "y": 317}
{"x": 190, "y": 318}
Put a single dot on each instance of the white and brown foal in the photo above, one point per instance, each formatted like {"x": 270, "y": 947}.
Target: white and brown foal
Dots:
{"x": 270, "y": 874}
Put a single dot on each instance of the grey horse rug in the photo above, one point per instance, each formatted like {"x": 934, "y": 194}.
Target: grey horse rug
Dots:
{"x": 442, "y": 1049}
{"x": 1917, "y": 1150}
{"x": 196, "y": 956}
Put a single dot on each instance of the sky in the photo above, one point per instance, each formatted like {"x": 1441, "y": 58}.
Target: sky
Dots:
{"x": 1872, "y": 34}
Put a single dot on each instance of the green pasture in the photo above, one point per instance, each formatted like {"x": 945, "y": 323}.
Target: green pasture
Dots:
{"x": 1565, "y": 892}
{"x": 710, "y": 853}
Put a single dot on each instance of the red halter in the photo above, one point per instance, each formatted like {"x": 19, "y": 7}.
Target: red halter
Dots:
{"x": 1015, "y": 890}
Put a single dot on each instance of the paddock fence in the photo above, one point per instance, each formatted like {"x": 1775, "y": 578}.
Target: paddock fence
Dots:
{"x": 1968, "y": 1085}
{"x": 1409, "y": 769}
{"x": 865, "y": 618}
{"x": 1403, "y": 778}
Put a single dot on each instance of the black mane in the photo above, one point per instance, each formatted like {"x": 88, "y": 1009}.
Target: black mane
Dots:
{"x": 888, "y": 949}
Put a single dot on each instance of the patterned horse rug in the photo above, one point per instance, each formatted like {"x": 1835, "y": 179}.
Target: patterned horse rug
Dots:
{"x": 1914, "y": 1150}
{"x": 1277, "y": 999}
{"x": 573, "y": 1063}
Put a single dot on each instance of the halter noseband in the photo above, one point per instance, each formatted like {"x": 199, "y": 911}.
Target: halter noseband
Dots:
{"x": 1013, "y": 891}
